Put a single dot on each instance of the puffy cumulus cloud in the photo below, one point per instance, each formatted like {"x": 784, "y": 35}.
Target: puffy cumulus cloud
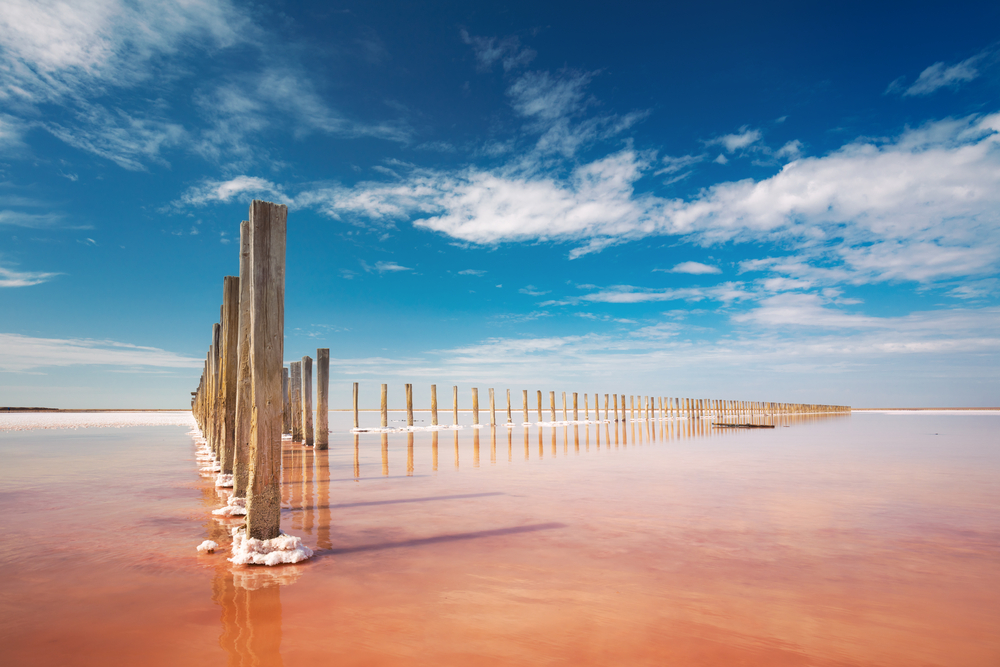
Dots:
{"x": 694, "y": 268}
{"x": 212, "y": 191}
{"x": 21, "y": 353}
{"x": 922, "y": 206}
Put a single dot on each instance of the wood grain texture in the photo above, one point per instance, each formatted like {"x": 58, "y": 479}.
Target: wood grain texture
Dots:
{"x": 434, "y": 405}
{"x": 307, "y": 401}
{"x": 267, "y": 331}
{"x": 241, "y": 464}
{"x": 322, "y": 434}
{"x": 230, "y": 336}
{"x": 295, "y": 398}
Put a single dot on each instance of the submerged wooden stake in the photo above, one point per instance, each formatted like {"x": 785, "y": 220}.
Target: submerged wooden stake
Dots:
{"x": 307, "y": 401}
{"x": 509, "y": 419}
{"x": 267, "y": 316}
{"x": 230, "y": 339}
{"x": 434, "y": 405}
{"x": 524, "y": 404}
{"x": 409, "y": 405}
{"x": 295, "y": 399}
{"x": 552, "y": 405}
{"x": 454, "y": 406}
{"x": 475, "y": 405}
{"x": 322, "y": 434}
{"x": 286, "y": 408}
{"x": 575, "y": 408}
{"x": 354, "y": 401}
{"x": 493, "y": 409}
{"x": 385, "y": 406}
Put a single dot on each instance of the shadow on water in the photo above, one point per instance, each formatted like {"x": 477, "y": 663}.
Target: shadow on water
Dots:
{"x": 401, "y": 500}
{"x": 438, "y": 539}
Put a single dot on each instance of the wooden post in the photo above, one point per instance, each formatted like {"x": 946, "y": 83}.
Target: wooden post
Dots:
{"x": 607, "y": 415}
{"x": 267, "y": 316}
{"x": 475, "y": 405}
{"x": 509, "y": 418}
{"x": 286, "y": 410}
{"x": 454, "y": 406}
{"x": 409, "y": 404}
{"x": 616, "y": 406}
{"x": 307, "y": 401}
{"x": 552, "y": 405}
{"x": 241, "y": 464}
{"x": 565, "y": 415}
{"x": 385, "y": 406}
{"x": 576, "y": 411}
{"x": 230, "y": 338}
{"x": 434, "y": 405}
{"x": 322, "y": 398}
{"x": 623, "y": 407}
{"x": 524, "y": 404}
{"x": 216, "y": 364}
{"x": 295, "y": 377}
{"x": 354, "y": 401}
{"x": 493, "y": 409}
{"x": 539, "y": 406}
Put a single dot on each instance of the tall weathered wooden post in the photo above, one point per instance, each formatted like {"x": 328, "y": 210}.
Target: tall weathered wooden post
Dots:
{"x": 434, "y": 405}
{"x": 354, "y": 401}
{"x": 307, "y": 401}
{"x": 475, "y": 405}
{"x": 241, "y": 466}
{"x": 230, "y": 338}
{"x": 286, "y": 409}
{"x": 385, "y": 406}
{"x": 322, "y": 434}
{"x": 295, "y": 399}
{"x": 267, "y": 316}
{"x": 409, "y": 405}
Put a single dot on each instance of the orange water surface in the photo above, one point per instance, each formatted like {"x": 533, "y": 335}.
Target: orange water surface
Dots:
{"x": 872, "y": 539}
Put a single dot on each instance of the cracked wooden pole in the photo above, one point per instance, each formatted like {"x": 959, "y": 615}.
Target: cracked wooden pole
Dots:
{"x": 510, "y": 420}
{"x": 286, "y": 408}
{"x": 434, "y": 405}
{"x": 475, "y": 405}
{"x": 409, "y": 404}
{"x": 267, "y": 316}
{"x": 454, "y": 406}
{"x": 241, "y": 464}
{"x": 307, "y": 401}
{"x": 354, "y": 402}
{"x": 524, "y": 404}
{"x": 493, "y": 409}
{"x": 385, "y": 406}
{"x": 295, "y": 399}
{"x": 230, "y": 338}
{"x": 552, "y": 405}
{"x": 323, "y": 398}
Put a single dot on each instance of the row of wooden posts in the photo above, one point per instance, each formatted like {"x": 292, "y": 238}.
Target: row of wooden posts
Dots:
{"x": 649, "y": 407}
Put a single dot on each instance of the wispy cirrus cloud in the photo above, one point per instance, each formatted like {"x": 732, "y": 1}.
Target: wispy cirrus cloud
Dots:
{"x": 942, "y": 75}
{"x": 20, "y": 353}
{"x": 383, "y": 267}
{"x": 12, "y": 278}
{"x": 491, "y": 50}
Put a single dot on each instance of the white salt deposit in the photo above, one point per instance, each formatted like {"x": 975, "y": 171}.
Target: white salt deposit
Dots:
{"x": 29, "y": 421}
{"x": 224, "y": 481}
{"x": 281, "y": 549}
{"x": 234, "y": 507}
{"x": 212, "y": 468}
{"x": 207, "y": 547}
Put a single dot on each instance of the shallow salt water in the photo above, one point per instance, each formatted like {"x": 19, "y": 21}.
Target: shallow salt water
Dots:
{"x": 872, "y": 539}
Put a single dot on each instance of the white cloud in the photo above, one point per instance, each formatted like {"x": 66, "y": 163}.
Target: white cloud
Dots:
{"x": 383, "y": 267}
{"x": 940, "y": 75}
{"x": 224, "y": 191}
{"x": 696, "y": 268}
{"x": 472, "y": 272}
{"x": 738, "y": 141}
{"x": 726, "y": 292}
{"x": 490, "y": 50}
{"x": 791, "y": 150}
{"x": 531, "y": 290}
{"x": 11, "y": 278}
{"x": 24, "y": 352}
{"x": 30, "y": 220}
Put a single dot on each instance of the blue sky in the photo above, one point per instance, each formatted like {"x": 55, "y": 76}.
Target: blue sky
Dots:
{"x": 774, "y": 202}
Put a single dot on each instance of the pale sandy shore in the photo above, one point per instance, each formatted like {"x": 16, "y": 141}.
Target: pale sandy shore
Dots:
{"x": 29, "y": 421}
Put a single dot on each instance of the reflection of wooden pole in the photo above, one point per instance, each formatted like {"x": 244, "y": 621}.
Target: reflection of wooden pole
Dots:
{"x": 385, "y": 405}
{"x": 493, "y": 409}
{"x": 475, "y": 405}
{"x": 295, "y": 400}
{"x": 434, "y": 406}
{"x": 286, "y": 409}
{"x": 267, "y": 316}
{"x": 307, "y": 400}
{"x": 322, "y": 398}
{"x": 241, "y": 463}
{"x": 454, "y": 406}
{"x": 354, "y": 401}
{"x": 409, "y": 405}
{"x": 524, "y": 404}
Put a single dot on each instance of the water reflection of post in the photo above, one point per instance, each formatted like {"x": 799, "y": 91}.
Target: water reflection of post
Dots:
{"x": 616, "y": 433}
{"x": 541, "y": 446}
{"x": 357, "y": 460}
{"x": 554, "y": 452}
{"x": 456, "y": 450}
{"x": 493, "y": 446}
{"x": 251, "y": 621}
{"x": 475, "y": 448}
{"x": 586, "y": 438}
{"x": 525, "y": 443}
{"x": 385, "y": 454}
{"x": 576, "y": 438}
{"x": 295, "y": 481}
{"x": 434, "y": 451}
{"x": 309, "y": 489}
{"x": 565, "y": 440}
{"x": 323, "y": 498}
{"x": 625, "y": 426}
{"x": 409, "y": 454}
{"x": 510, "y": 445}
